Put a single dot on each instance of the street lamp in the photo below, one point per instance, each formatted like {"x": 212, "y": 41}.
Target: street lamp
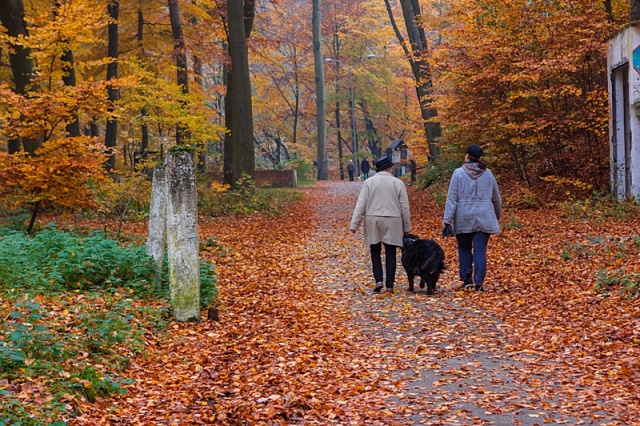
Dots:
{"x": 353, "y": 112}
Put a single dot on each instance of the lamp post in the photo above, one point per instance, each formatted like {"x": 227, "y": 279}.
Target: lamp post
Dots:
{"x": 353, "y": 112}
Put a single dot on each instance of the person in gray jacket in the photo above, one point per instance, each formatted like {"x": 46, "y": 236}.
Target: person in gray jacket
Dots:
{"x": 473, "y": 209}
{"x": 383, "y": 204}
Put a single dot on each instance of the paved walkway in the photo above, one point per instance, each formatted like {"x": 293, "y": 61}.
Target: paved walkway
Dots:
{"x": 451, "y": 363}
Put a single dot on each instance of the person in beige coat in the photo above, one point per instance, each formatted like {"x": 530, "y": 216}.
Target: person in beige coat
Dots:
{"x": 383, "y": 204}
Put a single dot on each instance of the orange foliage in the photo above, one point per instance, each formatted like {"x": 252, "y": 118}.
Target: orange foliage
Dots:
{"x": 60, "y": 173}
{"x": 526, "y": 79}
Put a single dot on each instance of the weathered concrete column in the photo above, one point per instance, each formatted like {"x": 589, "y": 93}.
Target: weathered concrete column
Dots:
{"x": 182, "y": 233}
{"x": 157, "y": 236}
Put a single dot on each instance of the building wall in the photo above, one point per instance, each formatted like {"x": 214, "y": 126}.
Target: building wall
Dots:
{"x": 623, "y": 66}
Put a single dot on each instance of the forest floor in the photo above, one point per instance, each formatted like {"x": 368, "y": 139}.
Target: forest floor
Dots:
{"x": 303, "y": 340}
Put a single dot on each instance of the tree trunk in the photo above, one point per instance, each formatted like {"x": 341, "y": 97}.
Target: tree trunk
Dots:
{"x": 323, "y": 166}
{"x": 373, "y": 138}
{"x": 182, "y": 234}
{"x": 12, "y": 17}
{"x": 199, "y": 79}
{"x": 144, "y": 128}
{"x": 239, "y": 156}
{"x": 69, "y": 79}
{"x": 608, "y": 7}
{"x": 157, "y": 235}
{"x": 296, "y": 110}
{"x": 634, "y": 15}
{"x": 340, "y": 153}
{"x": 336, "y": 52}
{"x": 419, "y": 66}
{"x": 180, "y": 52}
{"x": 111, "y": 138}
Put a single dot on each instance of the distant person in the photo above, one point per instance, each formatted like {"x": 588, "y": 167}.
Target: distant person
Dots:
{"x": 351, "y": 168}
{"x": 365, "y": 167}
{"x": 471, "y": 213}
{"x": 383, "y": 205}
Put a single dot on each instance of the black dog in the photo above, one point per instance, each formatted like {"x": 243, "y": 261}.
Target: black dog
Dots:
{"x": 422, "y": 258}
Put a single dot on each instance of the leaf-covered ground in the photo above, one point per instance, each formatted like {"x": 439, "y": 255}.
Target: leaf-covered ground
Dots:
{"x": 302, "y": 340}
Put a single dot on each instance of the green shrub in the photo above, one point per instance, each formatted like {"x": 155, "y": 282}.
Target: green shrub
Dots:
{"x": 215, "y": 199}
{"x": 435, "y": 172}
{"x": 92, "y": 321}
{"x": 305, "y": 171}
{"x": 513, "y": 222}
{"x": 599, "y": 207}
{"x": 53, "y": 260}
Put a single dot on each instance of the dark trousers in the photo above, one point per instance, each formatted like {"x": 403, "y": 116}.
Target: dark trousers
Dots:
{"x": 351, "y": 172}
{"x": 472, "y": 255}
{"x": 389, "y": 262}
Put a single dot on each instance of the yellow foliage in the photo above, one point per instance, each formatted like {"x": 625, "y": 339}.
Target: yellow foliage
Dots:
{"x": 577, "y": 183}
{"x": 220, "y": 187}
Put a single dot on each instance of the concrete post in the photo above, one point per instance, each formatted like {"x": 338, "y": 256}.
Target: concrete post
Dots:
{"x": 182, "y": 233}
{"x": 157, "y": 236}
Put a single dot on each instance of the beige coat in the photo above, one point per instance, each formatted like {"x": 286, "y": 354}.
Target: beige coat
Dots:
{"x": 383, "y": 204}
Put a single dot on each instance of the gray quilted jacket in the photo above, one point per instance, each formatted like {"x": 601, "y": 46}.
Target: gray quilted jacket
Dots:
{"x": 473, "y": 201}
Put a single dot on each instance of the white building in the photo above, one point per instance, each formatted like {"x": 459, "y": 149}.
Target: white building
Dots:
{"x": 623, "y": 66}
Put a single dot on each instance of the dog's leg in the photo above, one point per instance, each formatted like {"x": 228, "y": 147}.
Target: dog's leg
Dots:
{"x": 431, "y": 285}
{"x": 422, "y": 281}
{"x": 410, "y": 282}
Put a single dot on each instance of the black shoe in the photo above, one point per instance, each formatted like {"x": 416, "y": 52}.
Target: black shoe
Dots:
{"x": 480, "y": 289}
{"x": 468, "y": 283}
{"x": 378, "y": 288}
{"x": 389, "y": 290}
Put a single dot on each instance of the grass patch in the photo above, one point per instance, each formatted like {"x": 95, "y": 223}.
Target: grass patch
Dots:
{"x": 598, "y": 208}
{"x": 627, "y": 284}
{"x": 75, "y": 312}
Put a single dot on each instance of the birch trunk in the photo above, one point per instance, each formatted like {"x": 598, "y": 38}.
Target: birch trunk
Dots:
{"x": 157, "y": 237}
{"x": 182, "y": 234}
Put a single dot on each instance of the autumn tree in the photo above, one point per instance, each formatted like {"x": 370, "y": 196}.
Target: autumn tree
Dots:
{"x": 63, "y": 167}
{"x": 518, "y": 91}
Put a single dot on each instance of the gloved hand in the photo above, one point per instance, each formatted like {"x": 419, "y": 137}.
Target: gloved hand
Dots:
{"x": 447, "y": 231}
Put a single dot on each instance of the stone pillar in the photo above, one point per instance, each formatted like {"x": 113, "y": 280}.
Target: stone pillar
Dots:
{"x": 157, "y": 237}
{"x": 182, "y": 233}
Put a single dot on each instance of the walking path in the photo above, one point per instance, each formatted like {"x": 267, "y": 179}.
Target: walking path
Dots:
{"x": 303, "y": 340}
{"x": 454, "y": 364}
